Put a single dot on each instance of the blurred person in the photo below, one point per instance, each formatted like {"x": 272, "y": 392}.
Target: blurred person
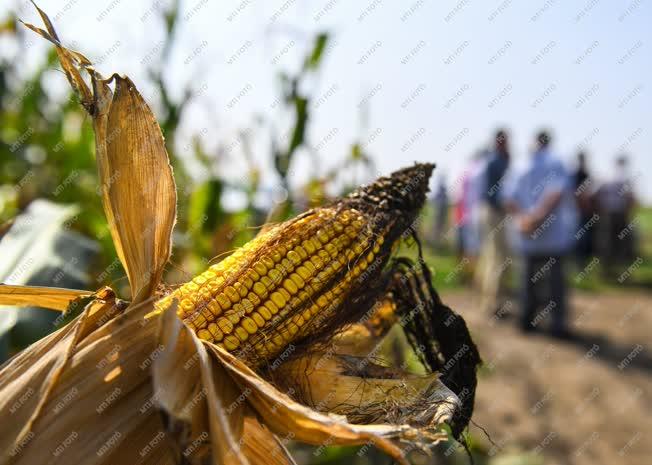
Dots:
{"x": 542, "y": 203}
{"x": 583, "y": 185}
{"x": 494, "y": 260}
{"x": 441, "y": 202}
{"x": 472, "y": 185}
{"x": 616, "y": 204}
{"x": 459, "y": 219}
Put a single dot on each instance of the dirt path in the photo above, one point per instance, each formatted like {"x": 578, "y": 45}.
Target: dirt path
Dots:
{"x": 587, "y": 401}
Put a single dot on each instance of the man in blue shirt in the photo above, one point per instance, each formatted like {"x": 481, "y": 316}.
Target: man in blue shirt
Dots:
{"x": 494, "y": 259}
{"x": 542, "y": 204}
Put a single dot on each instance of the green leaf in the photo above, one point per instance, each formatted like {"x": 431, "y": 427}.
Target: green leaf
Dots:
{"x": 314, "y": 58}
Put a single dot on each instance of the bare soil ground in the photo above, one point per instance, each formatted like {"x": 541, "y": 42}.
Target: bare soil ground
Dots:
{"x": 585, "y": 401}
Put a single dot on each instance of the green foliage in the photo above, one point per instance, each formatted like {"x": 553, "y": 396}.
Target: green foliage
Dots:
{"x": 300, "y": 104}
{"x": 312, "y": 61}
{"x": 205, "y": 213}
{"x": 47, "y": 152}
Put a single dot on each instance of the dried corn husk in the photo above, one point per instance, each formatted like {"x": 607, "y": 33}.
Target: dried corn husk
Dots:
{"x": 366, "y": 392}
{"x": 136, "y": 180}
{"x": 110, "y": 378}
{"x": 53, "y": 298}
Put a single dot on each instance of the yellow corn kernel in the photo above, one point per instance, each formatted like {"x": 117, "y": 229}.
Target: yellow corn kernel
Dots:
{"x": 278, "y": 299}
{"x": 252, "y": 275}
{"x": 231, "y": 342}
{"x": 309, "y": 266}
{"x": 239, "y": 310}
{"x": 286, "y": 266}
{"x": 271, "y": 306}
{"x": 296, "y": 279}
{"x": 225, "y": 325}
{"x": 247, "y": 305}
{"x": 187, "y": 305}
{"x": 289, "y": 285}
{"x": 198, "y": 320}
{"x": 267, "y": 282}
{"x": 215, "y": 308}
{"x": 206, "y": 312}
{"x": 240, "y": 289}
{"x": 294, "y": 257}
{"x": 215, "y": 332}
{"x": 303, "y": 272}
{"x": 316, "y": 243}
{"x": 317, "y": 262}
{"x": 260, "y": 268}
{"x": 191, "y": 287}
{"x": 205, "y": 294}
{"x": 259, "y": 320}
{"x": 232, "y": 294}
{"x": 259, "y": 289}
{"x": 308, "y": 246}
{"x": 331, "y": 249}
{"x": 247, "y": 282}
{"x": 322, "y": 236}
{"x": 253, "y": 297}
{"x": 275, "y": 275}
{"x": 286, "y": 295}
{"x": 249, "y": 325}
{"x": 269, "y": 263}
{"x": 224, "y": 301}
{"x": 241, "y": 333}
{"x": 264, "y": 312}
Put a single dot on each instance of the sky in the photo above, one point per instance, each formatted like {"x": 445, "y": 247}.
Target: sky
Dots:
{"x": 420, "y": 80}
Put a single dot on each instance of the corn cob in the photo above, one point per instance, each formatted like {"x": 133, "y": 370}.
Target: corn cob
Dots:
{"x": 295, "y": 280}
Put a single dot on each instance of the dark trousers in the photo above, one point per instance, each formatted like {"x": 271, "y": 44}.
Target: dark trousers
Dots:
{"x": 585, "y": 246}
{"x": 543, "y": 292}
{"x": 618, "y": 247}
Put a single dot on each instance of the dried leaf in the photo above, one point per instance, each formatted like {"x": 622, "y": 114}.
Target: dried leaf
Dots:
{"x": 262, "y": 447}
{"x": 48, "y": 23}
{"x": 84, "y": 394}
{"x": 24, "y": 383}
{"x": 196, "y": 392}
{"x": 137, "y": 188}
{"x": 368, "y": 393}
{"x": 136, "y": 180}
{"x": 53, "y": 298}
{"x": 71, "y": 61}
{"x": 284, "y": 416}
